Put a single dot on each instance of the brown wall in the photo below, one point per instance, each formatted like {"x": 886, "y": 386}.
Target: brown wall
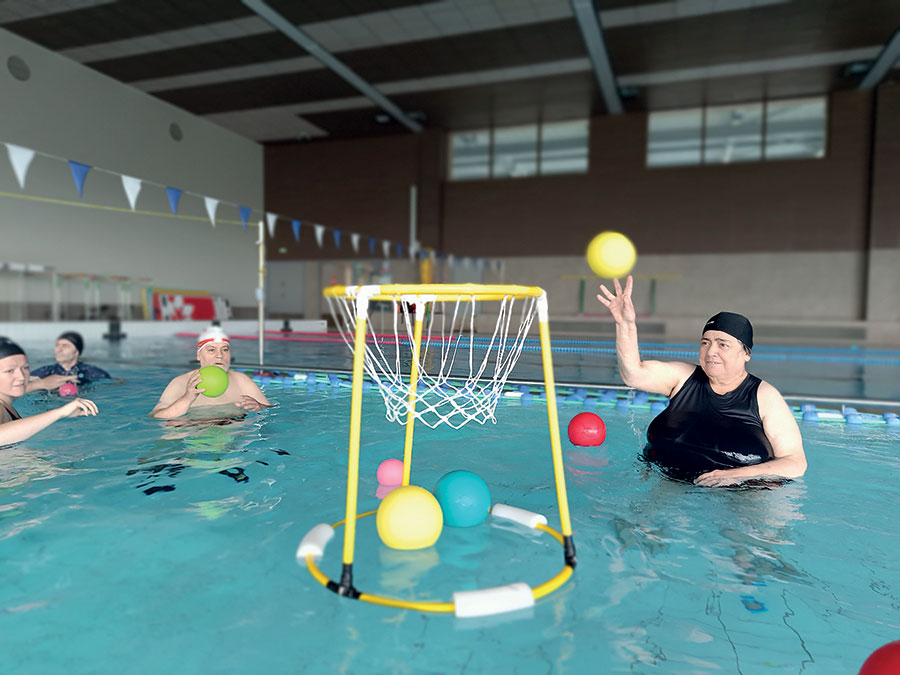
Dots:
{"x": 886, "y": 170}
{"x": 802, "y": 205}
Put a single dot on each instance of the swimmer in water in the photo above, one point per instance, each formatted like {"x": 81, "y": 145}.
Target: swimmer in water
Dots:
{"x": 14, "y": 374}
{"x": 182, "y": 394}
{"x": 723, "y": 426}
{"x": 68, "y": 366}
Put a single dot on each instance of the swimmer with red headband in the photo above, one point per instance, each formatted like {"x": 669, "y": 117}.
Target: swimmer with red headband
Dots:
{"x": 182, "y": 394}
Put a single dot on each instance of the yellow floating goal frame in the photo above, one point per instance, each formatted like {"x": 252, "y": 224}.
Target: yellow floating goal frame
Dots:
{"x": 465, "y": 603}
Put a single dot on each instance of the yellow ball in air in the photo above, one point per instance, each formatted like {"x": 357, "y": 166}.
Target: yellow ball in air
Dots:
{"x": 611, "y": 255}
{"x": 409, "y": 518}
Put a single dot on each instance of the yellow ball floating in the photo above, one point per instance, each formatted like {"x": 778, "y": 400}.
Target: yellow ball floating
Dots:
{"x": 611, "y": 255}
{"x": 409, "y": 518}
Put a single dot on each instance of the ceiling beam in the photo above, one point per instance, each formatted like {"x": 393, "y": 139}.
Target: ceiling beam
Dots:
{"x": 592, "y": 32}
{"x": 317, "y": 51}
{"x": 885, "y": 61}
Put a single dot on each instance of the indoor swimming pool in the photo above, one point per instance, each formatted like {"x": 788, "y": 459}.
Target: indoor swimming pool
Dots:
{"x": 130, "y": 545}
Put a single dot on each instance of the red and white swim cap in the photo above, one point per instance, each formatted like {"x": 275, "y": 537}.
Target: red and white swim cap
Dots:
{"x": 213, "y": 334}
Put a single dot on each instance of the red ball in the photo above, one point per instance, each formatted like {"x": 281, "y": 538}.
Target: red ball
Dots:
{"x": 883, "y": 661}
{"x": 587, "y": 429}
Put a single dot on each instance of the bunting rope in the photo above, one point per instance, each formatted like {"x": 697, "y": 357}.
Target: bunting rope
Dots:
{"x": 21, "y": 158}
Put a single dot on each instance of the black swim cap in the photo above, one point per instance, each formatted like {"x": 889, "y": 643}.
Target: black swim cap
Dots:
{"x": 74, "y": 338}
{"x": 736, "y": 325}
{"x": 9, "y": 348}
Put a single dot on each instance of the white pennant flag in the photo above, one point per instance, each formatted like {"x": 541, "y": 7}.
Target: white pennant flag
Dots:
{"x": 467, "y": 263}
{"x": 413, "y": 250}
{"x": 386, "y": 248}
{"x": 354, "y": 240}
{"x": 211, "y": 206}
{"x": 132, "y": 187}
{"x": 270, "y": 221}
{"x": 433, "y": 255}
{"x": 320, "y": 232}
{"x": 20, "y": 158}
{"x": 451, "y": 259}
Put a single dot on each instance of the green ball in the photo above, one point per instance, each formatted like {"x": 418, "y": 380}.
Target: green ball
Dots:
{"x": 214, "y": 380}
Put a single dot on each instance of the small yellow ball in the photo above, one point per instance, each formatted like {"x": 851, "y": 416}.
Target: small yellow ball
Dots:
{"x": 409, "y": 518}
{"x": 611, "y": 255}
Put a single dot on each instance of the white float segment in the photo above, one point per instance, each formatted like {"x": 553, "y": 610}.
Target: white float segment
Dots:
{"x": 521, "y": 516}
{"x": 314, "y": 542}
{"x": 487, "y": 601}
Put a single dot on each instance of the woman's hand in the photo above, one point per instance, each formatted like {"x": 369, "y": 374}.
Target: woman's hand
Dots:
{"x": 619, "y": 305}
{"x": 79, "y": 407}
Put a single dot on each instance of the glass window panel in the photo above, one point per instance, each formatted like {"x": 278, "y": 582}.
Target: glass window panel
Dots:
{"x": 674, "y": 137}
{"x": 564, "y": 147}
{"x": 515, "y": 151}
{"x": 733, "y": 133}
{"x": 795, "y": 128}
{"x": 470, "y": 155}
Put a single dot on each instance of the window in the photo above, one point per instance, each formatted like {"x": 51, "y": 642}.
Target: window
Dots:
{"x": 515, "y": 151}
{"x": 674, "y": 137}
{"x": 564, "y": 147}
{"x": 519, "y": 151}
{"x": 733, "y": 133}
{"x": 725, "y": 134}
{"x": 795, "y": 128}
{"x": 471, "y": 155}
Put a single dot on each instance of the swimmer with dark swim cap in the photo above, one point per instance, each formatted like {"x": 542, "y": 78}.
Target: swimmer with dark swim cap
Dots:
{"x": 68, "y": 367}
{"x": 723, "y": 426}
{"x": 14, "y": 374}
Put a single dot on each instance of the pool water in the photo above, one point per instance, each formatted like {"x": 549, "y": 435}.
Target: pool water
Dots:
{"x": 130, "y": 546}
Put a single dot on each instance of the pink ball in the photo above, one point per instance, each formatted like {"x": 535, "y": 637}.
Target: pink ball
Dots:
{"x": 587, "y": 429}
{"x": 390, "y": 472}
{"x": 68, "y": 389}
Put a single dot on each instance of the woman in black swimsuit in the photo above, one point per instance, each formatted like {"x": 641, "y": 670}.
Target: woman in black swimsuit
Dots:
{"x": 723, "y": 425}
{"x": 14, "y": 374}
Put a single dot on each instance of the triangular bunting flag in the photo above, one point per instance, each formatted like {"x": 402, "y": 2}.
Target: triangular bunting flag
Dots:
{"x": 386, "y": 248}
{"x": 372, "y": 245}
{"x": 20, "y": 158}
{"x": 132, "y": 187}
{"x": 399, "y": 250}
{"x": 174, "y": 195}
{"x": 451, "y": 259}
{"x": 432, "y": 254}
{"x": 413, "y": 250}
{"x": 354, "y": 241}
{"x": 270, "y": 221}
{"x": 245, "y": 215}
{"x": 295, "y": 225}
{"x": 79, "y": 173}
{"x": 337, "y": 238}
{"x": 320, "y": 231}
{"x": 211, "y": 205}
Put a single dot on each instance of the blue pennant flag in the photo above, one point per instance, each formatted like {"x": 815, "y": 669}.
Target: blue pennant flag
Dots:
{"x": 174, "y": 195}
{"x": 399, "y": 250}
{"x": 295, "y": 225}
{"x": 245, "y": 215}
{"x": 337, "y": 238}
{"x": 79, "y": 173}
{"x": 372, "y": 245}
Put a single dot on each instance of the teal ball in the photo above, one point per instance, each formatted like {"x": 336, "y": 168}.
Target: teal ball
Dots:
{"x": 464, "y": 498}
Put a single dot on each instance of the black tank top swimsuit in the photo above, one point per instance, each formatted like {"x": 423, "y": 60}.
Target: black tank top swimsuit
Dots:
{"x": 701, "y": 430}
{"x": 11, "y": 412}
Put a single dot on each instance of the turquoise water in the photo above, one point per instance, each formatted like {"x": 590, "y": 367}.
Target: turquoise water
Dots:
{"x": 129, "y": 546}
